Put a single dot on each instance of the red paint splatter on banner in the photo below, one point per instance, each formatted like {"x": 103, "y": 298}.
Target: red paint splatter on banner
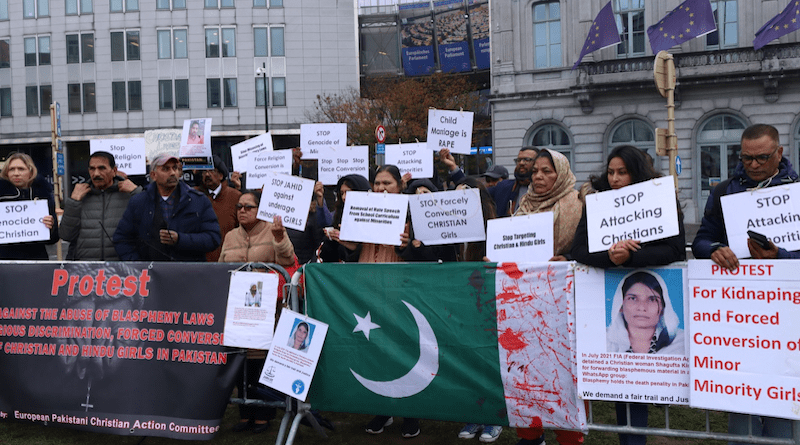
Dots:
{"x": 511, "y": 341}
{"x": 511, "y": 270}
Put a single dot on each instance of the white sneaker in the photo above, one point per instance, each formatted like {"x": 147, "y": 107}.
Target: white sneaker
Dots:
{"x": 491, "y": 433}
{"x": 469, "y": 431}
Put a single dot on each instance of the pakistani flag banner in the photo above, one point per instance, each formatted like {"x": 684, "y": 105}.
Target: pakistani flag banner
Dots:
{"x": 467, "y": 342}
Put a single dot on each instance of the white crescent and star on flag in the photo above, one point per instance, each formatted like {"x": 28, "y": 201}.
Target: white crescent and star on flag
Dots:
{"x": 423, "y": 372}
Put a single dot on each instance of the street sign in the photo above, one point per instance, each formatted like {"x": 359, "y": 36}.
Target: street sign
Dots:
{"x": 58, "y": 120}
{"x": 60, "y": 163}
{"x": 678, "y": 166}
{"x": 380, "y": 149}
{"x": 380, "y": 134}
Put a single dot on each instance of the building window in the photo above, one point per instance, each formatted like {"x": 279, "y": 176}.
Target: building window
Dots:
{"x": 213, "y": 42}
{"x": 32, "y": 56}
{"x": 630, "y": 23}
{"x": 81, "y": 98}
{"x": 172, "y": 44}
{"x": 32, "y": 9}
{"x": 262, "y": 43}
{"x": 170, "y": 4}
{"x": 3, "y": 9}
{"x": 215, "y": 93}
{"x": 552, "y": 137}
{"x": 80, "y": 48}
{"x": 71, "y": 7}
{"x": 718, "y": 140}
{"x": 124, "y": 45}
{"x": 547, "y": 34}
{"x": 259, "y": 3}
{"x": 634, "y": 132}
{"x": 219, "y": 4}
{"x": 279, "y": 91}
{"x": 134, "y": 96}
{"x": 5, "y": 55}
{"x": 726, "y": 18}
{"x": 5, "y": 101}
{"x": 276, "y": 3}
{"x": 124, "y": 5}
{"x": 166, "y": 99}
{"x": 38, "y": 99}
{"x": 276, "y": 41}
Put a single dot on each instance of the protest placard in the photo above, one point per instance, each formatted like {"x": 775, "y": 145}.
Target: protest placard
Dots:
{"x": 646, "y": 211}
{"x": 250, "y": 316}
{"x": 411, "y": 158}
{"x": 166, "y": 140}
{"x": 21, "y": 221}
{"x": 240, "y": 153}
{"x": 745, "y": 338}
{"x": 447, "y": 217}
{"x": 451, "y": 130}
{"x": 292, "y": 360}
{"x": 333, "y": 164}
{"x": 288, "y": 197}
{"x": 262, "y": 163}
{"x": 195, "y": 152}
{"x": 315, "y": 138}
{"x": 377, "y": 218}
{"x": 607, "y": 367}
{"x": 129, "y": 154}
{"x": 769, "y": 211}
{"x": 520, "y": 239}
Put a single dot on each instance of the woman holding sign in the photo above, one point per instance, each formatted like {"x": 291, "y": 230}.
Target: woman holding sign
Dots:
{"x": 20, "y": 181}
{"x": 553, "y": 190}
{"x": 257, "y": 241}
{"x": 628, "y": 165}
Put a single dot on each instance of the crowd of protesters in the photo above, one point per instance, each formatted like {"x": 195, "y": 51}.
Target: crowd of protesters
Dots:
{"x": 110, "y": 218}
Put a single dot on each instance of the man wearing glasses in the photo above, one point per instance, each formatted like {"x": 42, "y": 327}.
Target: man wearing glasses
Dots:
{"x": 507, "y": 194}
{"x": 761, "y": 165}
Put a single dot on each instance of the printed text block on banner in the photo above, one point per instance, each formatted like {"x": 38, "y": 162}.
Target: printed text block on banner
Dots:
{"x": 20, "y": 221}
{"x": 250, "y": 316}
{"x": 377, "y": 218}
{"x": 288, "y": 197}
{"x": 520, "y": 239}
{"x": 769, "y": 211}
{"x": 646, "y": 211}
{"x": 607, "y": 319}
{"x": 451, "y": 130}
{"x": 292, "y": 360}
{"x": 315, "y": 138}
{"x": 262, "y": 162}
{"x": 129, "y": 154}
{"x": 744, "y": 339}
{"x": 411, "y": 158}
{"x": 333, "y": 164}
{"x": 447, "y": 217}
{"x": 241, "y": 152}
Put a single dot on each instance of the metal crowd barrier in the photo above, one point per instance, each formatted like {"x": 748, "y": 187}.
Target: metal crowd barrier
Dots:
{"x": 294, "y": 410}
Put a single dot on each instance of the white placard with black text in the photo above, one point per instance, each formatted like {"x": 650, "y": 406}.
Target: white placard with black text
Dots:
{"x": 288, "y": 197}
{"x": 646, "y": 211}
{"x": 520, "y": 239}
{"x": 769, "y": 211}
{"x": 250, "y": 317}
{"x": 451, "y": 130}
{"x": 262, "y": 163}
{"x": 240, "y": 153}
{"x": 378, "y": 218}
{"x": 129, "y": 154}
{"x": 416, "y": 159}
{"x": 333, "y": 164}
{"x": 316, "y": 138}
{"x": 447, "y": 217}
{"x": 21, "y": 221}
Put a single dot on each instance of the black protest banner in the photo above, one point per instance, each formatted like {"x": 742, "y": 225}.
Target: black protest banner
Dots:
{"x": 120, "y": 348}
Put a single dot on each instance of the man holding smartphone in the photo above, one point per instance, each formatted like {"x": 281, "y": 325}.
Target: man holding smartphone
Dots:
{"x": 762, "y": 164}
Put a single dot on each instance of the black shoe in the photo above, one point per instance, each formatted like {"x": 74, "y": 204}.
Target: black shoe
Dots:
{"x": 244, "y": 425}
{"x": 260, "y": 427}
{"x": 539, "y": 441}
{"x": 376, "y": 425}
{"x": 410, "y": 428}
{"x": 323, "y": 422}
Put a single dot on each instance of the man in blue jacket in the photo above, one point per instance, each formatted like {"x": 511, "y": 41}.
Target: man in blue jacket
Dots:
{"x": 169, "y": 221}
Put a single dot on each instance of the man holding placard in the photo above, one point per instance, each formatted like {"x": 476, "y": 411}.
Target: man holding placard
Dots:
{"x": 762, "y": 165}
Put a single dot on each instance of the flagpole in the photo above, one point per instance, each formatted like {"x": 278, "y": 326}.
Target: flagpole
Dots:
{"x": 667, "y": 144}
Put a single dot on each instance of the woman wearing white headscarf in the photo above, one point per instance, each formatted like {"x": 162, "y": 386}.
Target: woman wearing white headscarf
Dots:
{"x": 642, "y": 318}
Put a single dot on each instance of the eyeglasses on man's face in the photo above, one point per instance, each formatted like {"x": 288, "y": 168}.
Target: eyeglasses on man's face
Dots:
{"x": 523, "y": 160}
{"x": 760, "y": 159}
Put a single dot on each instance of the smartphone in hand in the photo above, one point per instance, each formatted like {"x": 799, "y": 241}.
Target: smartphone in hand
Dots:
{"x": 760, "y": 239}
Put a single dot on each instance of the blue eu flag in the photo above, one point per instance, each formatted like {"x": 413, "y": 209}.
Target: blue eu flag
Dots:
{"x": 602, "y": 34}
{"x": 780, "y": 25}
{"x": 693, "y": 18}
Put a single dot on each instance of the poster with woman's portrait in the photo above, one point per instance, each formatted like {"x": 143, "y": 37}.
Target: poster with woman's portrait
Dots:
{"x": 637, "y": 351}
{"x": 302, "y": 332}
{"x": 249, "y": 320}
